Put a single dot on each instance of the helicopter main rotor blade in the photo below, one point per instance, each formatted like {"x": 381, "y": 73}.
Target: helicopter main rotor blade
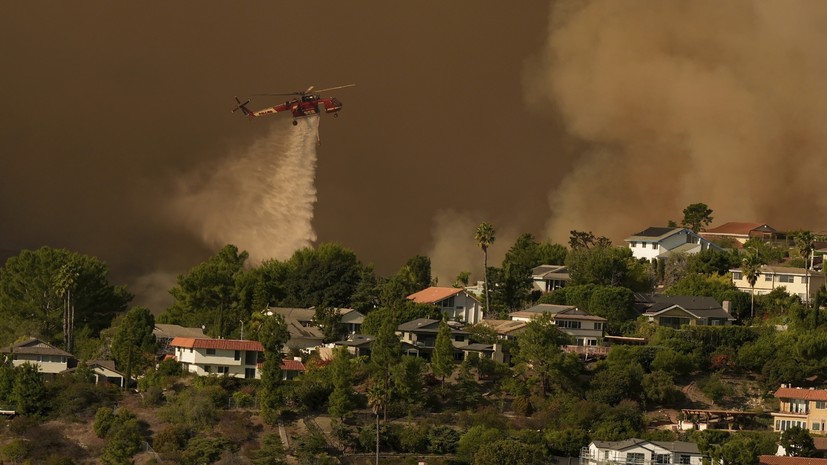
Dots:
{"x": 334, "y": 88}
{"x": 270, "y": 95}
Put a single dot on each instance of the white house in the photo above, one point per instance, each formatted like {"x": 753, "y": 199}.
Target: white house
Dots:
{"x": 547, "y": 278}
{"x": 584, "y": 328}
{"x": 771, "y": 277}
{"x": 455, "y": 303}
{"x": 640, "y": 452}
{"x": 48, "y": 358}
{"x": 230, "y": 357}
{"x": 656, "y": 242}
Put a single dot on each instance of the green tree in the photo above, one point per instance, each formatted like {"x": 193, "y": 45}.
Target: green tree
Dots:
{"x": 798, "y": 442}
{"x": 385, "y": 354}
{"x": 805, "y": 243}
{"x": 539, "y": 353}
{"x": 473, "y": 439}
{"x": 271, "y": 451}
{"x": 330, "y": 321}
{"x": 325, "y": 276}
{"x": 751, "y": 268}
{"x": 28, "y": 394}
{"x": 606, "y": 265}
{"x": 365, "y": 296}
{"x": 442, "y": 362}
{"x": 696, "y": 217}
{"x": 567, "y": 442}
{"x": 415, "y": 275}
{"x": 485, "y": 236}
{"x": 615, "y": 304}
{"x": 341, "y": 400}
{"x": 273, "y": 335}
{"x": 509, "y": 451}
{"x": 123, "y": 441}
{"x": 207, "y": 296}
{"x": 133, "y": 345}
{"x": 33, "y": 287}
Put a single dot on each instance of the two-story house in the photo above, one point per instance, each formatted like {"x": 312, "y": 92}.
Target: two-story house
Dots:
{"x": 419, "y": 337}
{"x": 805, "y": 408}
{"x": 640, "y": 452}
{"x": 584, "y": 328}
{"x": 546, "y": 278}
{"x": 47, "y": 358}
{"x": 228, "y": 357}
{"x": 657, "y": 242}
{"x": 455, "y": 303}
{"x": 772, "y": 277}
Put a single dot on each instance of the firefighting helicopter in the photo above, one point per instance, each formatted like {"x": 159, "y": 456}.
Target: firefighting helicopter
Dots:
{"x": 303, "y": 103}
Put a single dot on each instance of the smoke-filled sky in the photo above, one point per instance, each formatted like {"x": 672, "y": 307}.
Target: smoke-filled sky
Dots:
{"x": 610, "y": 116}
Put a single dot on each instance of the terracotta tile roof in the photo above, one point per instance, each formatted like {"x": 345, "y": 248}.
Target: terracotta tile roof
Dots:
{"x": 433, "y": 294}
{"x": 786, "y": 460}
{"x": 222, "y": 344}
{"x": 799, "y": 393}
{"x": 292, "y": 365}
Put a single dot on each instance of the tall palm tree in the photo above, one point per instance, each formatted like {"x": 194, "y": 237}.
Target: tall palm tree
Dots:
{"x": 751, "y": 267}
{"x": 377, "y": 399}
{"x": 805, "y": 242}
{"x": 485, "y": 237}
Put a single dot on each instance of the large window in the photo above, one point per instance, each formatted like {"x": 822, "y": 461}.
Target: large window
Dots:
{"x": 736, "y": 275}
{"x": 821, "y": 404}
{"x": 663, "y": 459}
{"x": 568, "y": 324}
{"x": 786, "y": 278}
{"x": 684, "y": 459}
{"x": 210, "y": 351}
{"x": 673, "y": 321}
{"x": 634, "y": 458}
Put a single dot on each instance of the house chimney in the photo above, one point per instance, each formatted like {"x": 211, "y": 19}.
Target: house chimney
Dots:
{"x": 727, "y": 306}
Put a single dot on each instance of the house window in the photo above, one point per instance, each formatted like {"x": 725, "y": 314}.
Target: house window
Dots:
{"x": 816, "y": 426}
{"x": 785, "y": 278}
{"x": 673, "y": 321}
{"x": 238, "y": 355}
{"x": 598, "y": 325}
{"x": 633, "y": 244}
{"x": 605, "y": 455}
{"x": 798, "y": 406}
{"x": 663, "y": 459}
{"x": 568, "y": 324}
{"x": 803, "y": 280}
{"x": 207, "y": 369}
{"x": 736, "y": 275}
{"x": 684, "y": 459}
{"x": 223, "y": 370}
{"x": 634, "y": 458}
{"x": 210, "y": 351}
{"x": 767, "y": 277}
{"x": 821, "y": 404}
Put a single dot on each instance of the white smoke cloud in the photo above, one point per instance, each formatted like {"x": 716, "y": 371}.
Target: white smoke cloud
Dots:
{"x": 261, "y": 199}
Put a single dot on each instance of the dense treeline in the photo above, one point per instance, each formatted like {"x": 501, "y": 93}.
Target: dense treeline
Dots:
{"x": 556, "y": 402}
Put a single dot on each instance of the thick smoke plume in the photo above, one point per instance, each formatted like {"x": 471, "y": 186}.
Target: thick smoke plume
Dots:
{"x": 260, "y": 199}
{"x": 683, "y": 102}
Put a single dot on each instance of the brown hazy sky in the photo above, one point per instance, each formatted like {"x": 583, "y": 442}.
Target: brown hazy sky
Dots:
{"x": 544, "y": 117}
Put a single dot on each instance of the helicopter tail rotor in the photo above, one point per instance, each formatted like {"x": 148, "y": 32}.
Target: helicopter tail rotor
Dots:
{"x": 242, "y": 106}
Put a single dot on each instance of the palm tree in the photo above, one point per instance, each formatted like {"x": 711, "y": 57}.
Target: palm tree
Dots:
{"x": 485, "y": 237}
{"x": 751, "y": 267}
{"x": 805, "y": 242}
{"x": 377, "y": 401}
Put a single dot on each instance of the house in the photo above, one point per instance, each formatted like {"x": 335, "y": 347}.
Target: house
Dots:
{"x": 676, "y": 311}
{"x": 356, "y": 344}
{"x": 49, "y": 359}
{"x": 290, "y": 369}
{"x": 640, "y": 452}
{"x": 419, "y": 337}
{"x": 772, "y": 277}
{"x": 657, "y": 242}
{"x": 305, "y": 336}
{"x": 228, "y": 357}
{"x": 805, "y": 408}
{"x": 351, "y": 320}
{"x": 455, "y": 303}
{"x": 786, "y": 460}
{"x": 584, "y": 328}
{"x": 165, "y": 333}
{"x": 105, "y": 372}
{"x": 506, "y": 329}
{"x": 740, "y": 232}
{"x": 546, "y": 278}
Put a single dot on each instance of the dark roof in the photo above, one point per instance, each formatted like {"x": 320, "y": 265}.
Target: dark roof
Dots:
{"x": 700, "y": 306}
{"x": 34, "y": 346}
{"x": 425, "y": 325}
{"x": 655, "y": 231}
